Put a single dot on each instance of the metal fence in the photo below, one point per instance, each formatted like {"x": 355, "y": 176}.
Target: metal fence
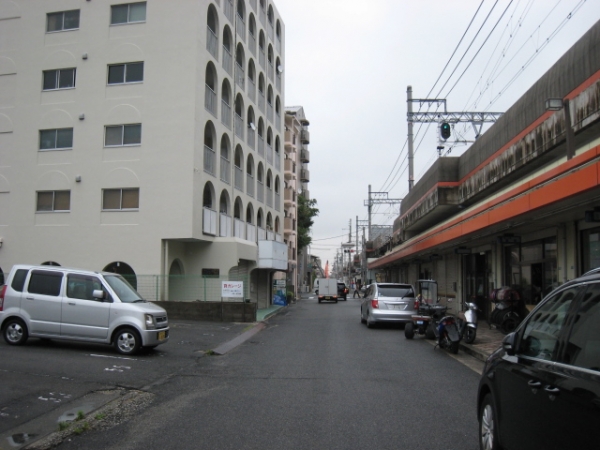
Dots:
{"x": 186, "y": 288}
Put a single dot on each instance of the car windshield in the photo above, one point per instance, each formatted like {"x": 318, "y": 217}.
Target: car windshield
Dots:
{"x": 396, "y": 291}
{"x": 123, "y": 289}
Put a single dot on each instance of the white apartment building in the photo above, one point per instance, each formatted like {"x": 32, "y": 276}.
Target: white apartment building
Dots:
{"x": 297, "y": 176}
{"x": 144, "y": 138}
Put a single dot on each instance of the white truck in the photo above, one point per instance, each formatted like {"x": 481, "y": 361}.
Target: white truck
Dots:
{"x": 328, "y": 290}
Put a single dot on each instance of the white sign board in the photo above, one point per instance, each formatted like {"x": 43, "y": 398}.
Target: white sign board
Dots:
{"x": 232, "y": 289}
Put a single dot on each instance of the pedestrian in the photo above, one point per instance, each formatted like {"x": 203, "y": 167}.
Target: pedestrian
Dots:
{"x": 357, "y": 287}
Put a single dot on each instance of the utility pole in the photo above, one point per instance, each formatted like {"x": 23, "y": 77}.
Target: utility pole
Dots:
{"x": 476, "y": 119}
{"x": 378, "y": 198}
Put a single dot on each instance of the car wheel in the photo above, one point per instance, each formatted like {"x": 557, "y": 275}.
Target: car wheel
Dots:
{"x": 470, "y": 334}
{"x": 369, "y": 323}
{"x": 15, "y": 332}
{"x": 488, "y": 426}
{"x": 409, "y": 330}
{"x": 127, "y": 341}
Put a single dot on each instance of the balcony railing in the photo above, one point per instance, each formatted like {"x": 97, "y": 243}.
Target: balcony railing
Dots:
{"x": 212, "y": 43}
{"x": 240, "y": 76}
{"x": 270, "y": 112}
{"x": 270, "y": 197}
{"x": 277, "y": 161}
{"x": 289, "y": 169}
{"x": 225, "y": 170}
{"x": 210, "y": 100}
{"x": 250, "y": 232}
{"x": 261, "y": 234}
{"x": 250, "y": 185}
{"x": 209, "y": 160}
{"x": 304, "y": 175}
{"x": 209, "y": 221}
{"x": 227, "y": 61}
{"x": 278, "y": 81}
{"x": 270, "y": 71}
{"x": 239, "y": 228}
{"x": 251, "y": 138}
{"x": 240, "y": 27}
{"x": 261, "y": 56}
{"x": 224, "y": 225}
{"x": 304, "y": 155}
{"x": 261, "y": 101}
{"x": 260, "y": 191}
{"x": 269, "y": 154}
{"x": 251, "y": 90}
{"x": 225, "y": 114}
{"x": 289, "y": 196}
{"x": 228, "y": 7}
{"x": 261, "y": 146}
{"x": 305, "y": 136}
{"x": 238, "y": 178}
{"x": 277, "y": 201}
{"x": 239, "y": 126}
{"x": 252, "y": 43}
{"x": 278, "y": 121}
{"x": 270, "y": 30}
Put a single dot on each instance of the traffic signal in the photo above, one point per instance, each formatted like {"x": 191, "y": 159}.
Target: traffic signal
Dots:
{"x": 445, "y": 130}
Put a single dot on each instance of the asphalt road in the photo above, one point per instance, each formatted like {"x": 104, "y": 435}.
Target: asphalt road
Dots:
{"x": 315, "y": 377}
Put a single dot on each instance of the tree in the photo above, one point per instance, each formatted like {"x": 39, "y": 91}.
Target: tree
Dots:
{"x": 307, "y": 209}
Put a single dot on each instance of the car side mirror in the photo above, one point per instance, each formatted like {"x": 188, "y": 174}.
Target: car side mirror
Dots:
{"x": 508, "y": 343}
{"x": 98, "y": 294}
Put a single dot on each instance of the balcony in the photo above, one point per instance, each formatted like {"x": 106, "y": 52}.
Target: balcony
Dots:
{"x": 304, "y": 155}
{"x": 304, "y": 175}
{"x": 289, "y": 225}
{"x": 289, "y": 197}
{"x": 289, "y": 169}
{"x": 272, "y": 254}
{"x": 305, "y": 136}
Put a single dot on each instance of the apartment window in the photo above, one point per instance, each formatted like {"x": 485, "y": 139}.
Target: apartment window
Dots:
{"x": 50, "y": 201}
{"x": 128, "y": 13}
{"x": 120, "y": 199}
{"x": 56, "y": 139}
{"x": 64, "y": 20}
{"x": 126, "y": 73}
{"x": 59, "y": 79}
{"x": 121, "y": 135}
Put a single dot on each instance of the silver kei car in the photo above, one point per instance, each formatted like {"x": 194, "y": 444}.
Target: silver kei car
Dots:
{"x": 388, "y": 303}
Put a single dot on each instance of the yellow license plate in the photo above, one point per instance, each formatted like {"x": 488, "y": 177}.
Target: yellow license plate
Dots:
{"x": 162, "y": 335}
{"x": 327, "y": 298}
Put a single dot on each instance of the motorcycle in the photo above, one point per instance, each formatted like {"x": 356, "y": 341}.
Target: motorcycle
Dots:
{"x": 468, "y": 322}
{"x": 509, "y": 309}
{"x": 447, "y": 334}
{"x": 431, "y": 319}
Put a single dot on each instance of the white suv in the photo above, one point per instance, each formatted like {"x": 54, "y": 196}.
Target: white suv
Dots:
{"x": 59, "y": 303}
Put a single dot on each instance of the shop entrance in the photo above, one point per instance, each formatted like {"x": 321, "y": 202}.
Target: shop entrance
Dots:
{"x": 477, "y": 284}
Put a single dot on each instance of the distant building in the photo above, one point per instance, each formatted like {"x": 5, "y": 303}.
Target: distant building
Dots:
{"x": 144, "y": 138}
{"x": 297, "y": 176}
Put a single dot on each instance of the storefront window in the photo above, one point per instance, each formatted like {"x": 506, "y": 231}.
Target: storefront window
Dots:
{"x": 590, "y": 243}
{"x": 531, "y": 269}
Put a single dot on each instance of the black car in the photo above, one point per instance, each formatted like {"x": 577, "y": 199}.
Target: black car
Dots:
{"x": 541, "y": 389}
{"x": 342, "y": 291}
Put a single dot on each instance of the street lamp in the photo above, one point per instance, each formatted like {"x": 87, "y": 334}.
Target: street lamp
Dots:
{"x": 556, "y": 104}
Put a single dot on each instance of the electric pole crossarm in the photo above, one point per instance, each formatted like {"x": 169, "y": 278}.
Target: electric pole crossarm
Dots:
{"x": 434, "y": 117}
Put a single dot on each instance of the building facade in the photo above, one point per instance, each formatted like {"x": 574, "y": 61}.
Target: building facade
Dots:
{"x": 144, "y": 138}
{"x": 520, "y": 208}
{"x": 297, "y": 176}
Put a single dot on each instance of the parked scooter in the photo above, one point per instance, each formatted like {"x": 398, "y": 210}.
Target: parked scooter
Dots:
{"x": 447, "y": 334}
{"x": 468, "y": 322}
{"x": 431, "y": 319}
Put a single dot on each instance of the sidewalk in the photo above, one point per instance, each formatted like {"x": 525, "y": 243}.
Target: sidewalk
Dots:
{"x": 487, "y": 340}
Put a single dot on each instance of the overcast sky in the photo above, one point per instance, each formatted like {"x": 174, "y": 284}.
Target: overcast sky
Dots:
{"x": 349, "y": 62}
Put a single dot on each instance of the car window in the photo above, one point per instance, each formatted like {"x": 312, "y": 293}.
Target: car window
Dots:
{"x": 395, "y": 291}
{"x": 583, "y": 345}
{"x": 126, "y": 293}
{"x": 18, "y": 281}
{"x": 45, "y": 282}
{"x": 540, "y": 337}
{"x": 82, "y": 286}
